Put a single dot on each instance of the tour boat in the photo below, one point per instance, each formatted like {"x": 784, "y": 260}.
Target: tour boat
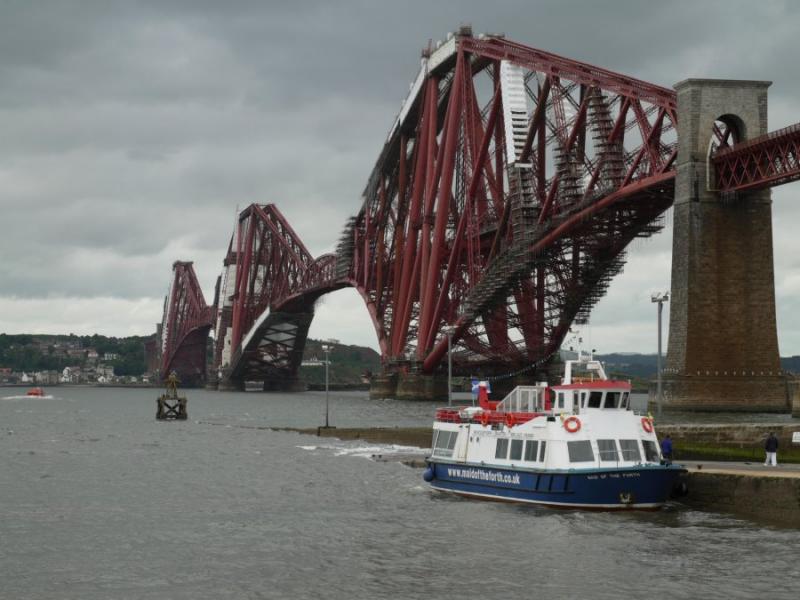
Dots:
{"x": 576, "y": 445}
{"x": 36, "y": 392}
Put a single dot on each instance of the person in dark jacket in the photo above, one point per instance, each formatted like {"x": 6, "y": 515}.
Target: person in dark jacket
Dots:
{"x": 666, "y": 449}
{"x": 771, "y": 446}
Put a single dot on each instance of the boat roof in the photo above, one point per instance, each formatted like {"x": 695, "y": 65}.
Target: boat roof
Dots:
{"x": 597, "y": 384}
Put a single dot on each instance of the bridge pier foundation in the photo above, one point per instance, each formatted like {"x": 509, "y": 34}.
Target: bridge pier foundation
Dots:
{"x": 230, "y": 385}
{"x": 417, "y": 386}
{"x": 723, "y": 342}
{"x": 284, "y": 385}
{"x": 723, "y": 393}
{"x": 793, "y": 386}
{"x": 383, "y": 386}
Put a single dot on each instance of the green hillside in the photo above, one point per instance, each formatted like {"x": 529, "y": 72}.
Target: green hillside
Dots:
{"x": 26, "y": 352}
{"x": 348, "y": 363}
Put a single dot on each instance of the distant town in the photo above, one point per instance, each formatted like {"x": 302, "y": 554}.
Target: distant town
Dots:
{"x": 72, "y": 359}
{"x": 27, "y": 359}
{"x": 100, "y": 360}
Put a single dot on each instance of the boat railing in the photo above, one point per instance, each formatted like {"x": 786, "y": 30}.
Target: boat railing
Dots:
{"x": 494, "y": 417}
{"x": 524, "y": 398}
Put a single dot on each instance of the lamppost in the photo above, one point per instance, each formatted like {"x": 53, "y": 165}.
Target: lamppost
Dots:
{"x": 659, "y": 298}
{"x": 326, "y": 348}
{"x": 449, "y": 329}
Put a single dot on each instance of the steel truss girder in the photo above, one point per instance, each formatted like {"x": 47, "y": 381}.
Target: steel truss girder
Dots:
{"x": 268, "y": 301}
{"x": 185, "y": 326}
{"x": 507, "y": 241}
{"x": 766, "y": 161}
{"x": 442, "y": 211}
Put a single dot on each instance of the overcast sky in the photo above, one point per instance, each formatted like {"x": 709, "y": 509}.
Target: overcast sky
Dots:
{"x": 130, "y": 132}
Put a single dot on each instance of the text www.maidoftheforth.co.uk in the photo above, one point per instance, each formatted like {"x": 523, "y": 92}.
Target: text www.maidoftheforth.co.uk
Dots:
{"x": 481, "y": 475}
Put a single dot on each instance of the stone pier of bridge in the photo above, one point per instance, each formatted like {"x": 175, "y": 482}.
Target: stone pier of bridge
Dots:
{"x": 723, "y": 344}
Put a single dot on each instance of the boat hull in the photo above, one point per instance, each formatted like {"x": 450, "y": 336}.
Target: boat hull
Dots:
{"x": 642, "y": 487}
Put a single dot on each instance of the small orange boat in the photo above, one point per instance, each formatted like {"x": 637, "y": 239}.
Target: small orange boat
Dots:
{"x": 37, "y": 392}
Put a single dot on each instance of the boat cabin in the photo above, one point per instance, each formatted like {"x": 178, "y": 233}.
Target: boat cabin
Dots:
{"x": 584, "y": 421}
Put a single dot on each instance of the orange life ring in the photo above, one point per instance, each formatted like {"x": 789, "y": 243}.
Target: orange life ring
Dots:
{"x": 647, "y": 424}
{"x": 510, "y": 420}
{"x": 572, "y": 424}
{"x": 484, "y": 418}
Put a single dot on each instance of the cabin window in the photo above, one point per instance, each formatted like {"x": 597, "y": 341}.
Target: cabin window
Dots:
{"x": 624, "y": 402}
{"x": 594, "y": 399}
{"x": 501, "y": 451}
{"x": 531, "y": 447}
{"x": 630, "y": 450}
{"x": 608, "y": 450}
{"x": 580, "y": 451}
{"x": 612, "y": 399}
{"x": 650, "y": 451}
{"x": 516, "y": 450}
{"x": 560, "y": 399}
{"x": 542, "y": 446}
{"x": 444, "y": 442}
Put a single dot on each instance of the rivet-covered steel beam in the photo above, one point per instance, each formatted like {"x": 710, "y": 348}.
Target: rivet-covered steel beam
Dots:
{"x": 766, "y": 161}
{"x": 500, "y": 206}
{"x": 185, "y": 326}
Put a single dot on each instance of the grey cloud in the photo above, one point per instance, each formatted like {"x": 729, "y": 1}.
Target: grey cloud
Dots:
{"x": 131, "y": 131}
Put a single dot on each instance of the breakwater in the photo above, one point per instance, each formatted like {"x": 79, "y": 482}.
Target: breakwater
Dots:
{"x": 768, "y": 495}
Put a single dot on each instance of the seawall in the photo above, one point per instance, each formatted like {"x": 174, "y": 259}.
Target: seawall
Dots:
{"x": 771, "y": 496}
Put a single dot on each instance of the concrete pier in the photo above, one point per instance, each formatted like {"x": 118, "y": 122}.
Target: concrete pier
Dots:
{"x": 765, "y": 494}
{"x": 383, "y": 386}
{"x": 416, "y": 386}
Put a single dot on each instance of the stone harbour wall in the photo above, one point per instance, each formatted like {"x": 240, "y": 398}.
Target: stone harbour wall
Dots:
{"x": 772, "y": 500}
{"x": 737, "y": 435}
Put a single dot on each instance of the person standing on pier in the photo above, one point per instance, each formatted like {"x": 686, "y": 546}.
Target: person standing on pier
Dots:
{"x": 771, "y": 446}
{"x": 666, "y": 449}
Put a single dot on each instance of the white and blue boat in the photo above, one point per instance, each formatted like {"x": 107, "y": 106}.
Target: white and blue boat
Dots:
{"x": 574, "y": 445}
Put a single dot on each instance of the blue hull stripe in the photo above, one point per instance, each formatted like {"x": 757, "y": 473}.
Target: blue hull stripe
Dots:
{"x": 633, "y": 487}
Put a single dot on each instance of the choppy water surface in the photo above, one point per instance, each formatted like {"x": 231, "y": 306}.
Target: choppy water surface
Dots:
{"x": 98, "y": 500}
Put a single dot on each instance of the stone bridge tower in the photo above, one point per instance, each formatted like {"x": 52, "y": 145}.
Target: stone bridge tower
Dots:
{"x": 723, "y": 343}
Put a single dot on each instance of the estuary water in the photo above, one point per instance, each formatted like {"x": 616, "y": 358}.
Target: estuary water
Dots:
{"x": 98, "y": 500}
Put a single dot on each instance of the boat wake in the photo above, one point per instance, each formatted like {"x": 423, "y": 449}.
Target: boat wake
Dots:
{"x": 363, "y": 450}
{"x": 26, "y": 397}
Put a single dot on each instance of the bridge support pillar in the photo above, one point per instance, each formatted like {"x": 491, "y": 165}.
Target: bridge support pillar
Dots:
{"x": 383, "y": 386}
{"x": 794, "y": 396}
{"x": 285, "y": 384}
{"x": 230, "y": 385}
{"x": 723, "y": 343}
{"x": 417, "y": 386}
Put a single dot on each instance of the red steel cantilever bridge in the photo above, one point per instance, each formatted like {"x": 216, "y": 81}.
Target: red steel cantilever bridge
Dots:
{"x": 498, "y": 209}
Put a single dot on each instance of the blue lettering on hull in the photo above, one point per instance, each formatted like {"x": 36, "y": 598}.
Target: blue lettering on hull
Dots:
{"x": 646, "y": 486}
